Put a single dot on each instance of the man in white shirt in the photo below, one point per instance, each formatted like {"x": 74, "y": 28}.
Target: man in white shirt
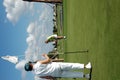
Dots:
{"x": 47, "y": 69}
{"x": 54, "y": 37}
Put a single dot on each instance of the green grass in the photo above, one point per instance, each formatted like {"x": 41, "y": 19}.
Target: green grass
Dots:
{"x": 93, "y": 25}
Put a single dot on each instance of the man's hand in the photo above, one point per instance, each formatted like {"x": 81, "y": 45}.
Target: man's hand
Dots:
{"x": 44, "y": 54}
{"x": 47, "y": 60}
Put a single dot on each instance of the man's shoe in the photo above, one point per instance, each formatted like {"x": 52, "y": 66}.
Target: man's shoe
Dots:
{"x": 88, "y": 66}
{"x": 87, "y": 76}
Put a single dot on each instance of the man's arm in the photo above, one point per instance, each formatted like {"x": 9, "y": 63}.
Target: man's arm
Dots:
{"x": 47, "y": 77}
{"x": 47, "y": 60}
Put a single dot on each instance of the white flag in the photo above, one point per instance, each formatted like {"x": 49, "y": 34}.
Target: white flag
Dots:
{"x": 12, "y": 59}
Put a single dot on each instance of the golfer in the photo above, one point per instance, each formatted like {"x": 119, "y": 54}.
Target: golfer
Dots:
{"x": 47, "y": 69}
{"x": 53, "y": 38}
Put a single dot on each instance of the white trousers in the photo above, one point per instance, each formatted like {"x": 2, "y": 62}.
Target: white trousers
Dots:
{"x": 67, "y": 67}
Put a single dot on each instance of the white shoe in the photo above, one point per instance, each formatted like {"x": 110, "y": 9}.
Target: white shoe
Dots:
{"x": 87, "y": 76}
{"x": 88, "y": 66}
{"x": 64, "y": 37}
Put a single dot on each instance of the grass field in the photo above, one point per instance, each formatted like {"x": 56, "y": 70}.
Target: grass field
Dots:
{"x": 93, "y": 25}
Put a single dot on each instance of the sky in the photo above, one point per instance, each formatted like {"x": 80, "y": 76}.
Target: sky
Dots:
{"x": 24, "y": 27}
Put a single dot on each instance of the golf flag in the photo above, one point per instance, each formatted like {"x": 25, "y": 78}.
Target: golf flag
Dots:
{"x": 12, "y": 59}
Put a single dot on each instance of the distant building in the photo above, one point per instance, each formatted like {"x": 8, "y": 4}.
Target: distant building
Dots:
{"x": 45, "y": 1}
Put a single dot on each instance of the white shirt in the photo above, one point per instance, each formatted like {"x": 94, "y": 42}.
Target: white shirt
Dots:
{"x": 50, "y": 69}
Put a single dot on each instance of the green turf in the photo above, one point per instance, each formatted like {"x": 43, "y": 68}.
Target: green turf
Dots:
{"x": 93, "y": 25}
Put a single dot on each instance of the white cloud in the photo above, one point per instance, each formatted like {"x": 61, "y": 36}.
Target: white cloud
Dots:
{"x": 40, "y": 29}
{"x": 30, "y": 38}
{"x": 20, "y": 66}
{"x": 15, "y": 8}
{"x": 31, "y": 28}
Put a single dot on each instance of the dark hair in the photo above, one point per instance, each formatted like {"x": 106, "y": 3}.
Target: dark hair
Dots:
{"x": 28, "y": 66}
